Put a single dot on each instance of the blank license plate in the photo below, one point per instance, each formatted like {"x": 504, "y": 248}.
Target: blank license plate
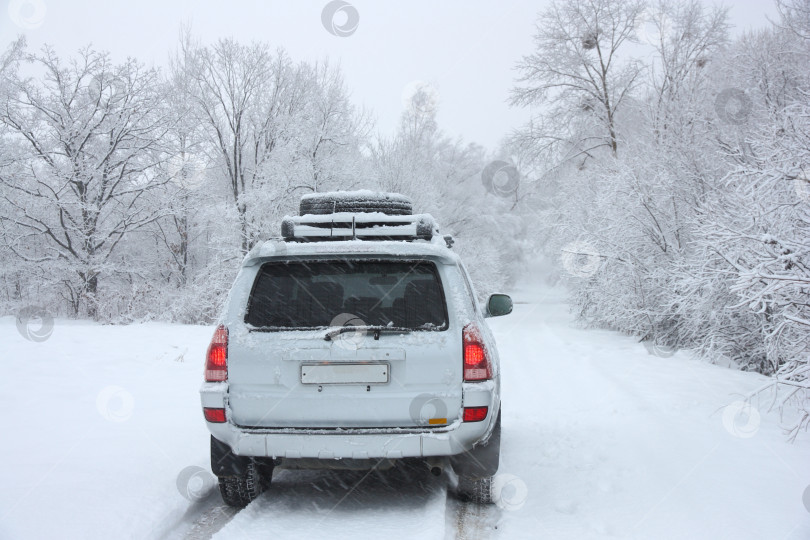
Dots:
{"x": 344, "y": 373}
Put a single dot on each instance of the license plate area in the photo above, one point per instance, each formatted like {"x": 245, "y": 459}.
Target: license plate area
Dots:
{"x": 345, "y": 373}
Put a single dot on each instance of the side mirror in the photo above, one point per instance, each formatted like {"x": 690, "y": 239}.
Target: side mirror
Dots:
{"x": 499, "y": 304}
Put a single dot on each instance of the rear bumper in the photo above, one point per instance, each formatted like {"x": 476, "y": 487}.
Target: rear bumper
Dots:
{"x": 450, "y": 440}
{"x": 348, "y": 445}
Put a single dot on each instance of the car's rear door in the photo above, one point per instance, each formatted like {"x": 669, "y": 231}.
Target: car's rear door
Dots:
{"x": 403, "y": 372}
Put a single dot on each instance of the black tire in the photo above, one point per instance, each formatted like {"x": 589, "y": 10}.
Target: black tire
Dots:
{"x": 475, "y": 490}
{"x": 386, "y": 203}
{"x": 240, "y": 490}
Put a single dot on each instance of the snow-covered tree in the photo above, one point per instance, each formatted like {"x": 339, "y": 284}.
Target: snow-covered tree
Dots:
{"x": 696, "y": 235}
{"x": 81, "y": 145}
{"x": 272, "y": 128}
{"x": 578, "y": 73}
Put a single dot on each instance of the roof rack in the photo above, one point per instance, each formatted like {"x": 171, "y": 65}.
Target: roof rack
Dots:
{"x": 358, "y": 226}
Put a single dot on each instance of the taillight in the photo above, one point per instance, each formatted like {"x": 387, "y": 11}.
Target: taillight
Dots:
{"x": 216, "y": 361}
{"x": 216, "y": 416}
{"x": 476, "y": 360}
{"x": 475, "y": 414}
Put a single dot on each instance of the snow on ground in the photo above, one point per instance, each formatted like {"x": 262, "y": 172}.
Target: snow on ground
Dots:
{"x": 612, "y": 442}
{"x": 600, "y": 440}
{"x": 99, "y": 422}
{"x": 390, "y": 504}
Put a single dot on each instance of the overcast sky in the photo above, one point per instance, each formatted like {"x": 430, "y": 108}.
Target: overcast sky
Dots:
{"x": 465, "y": 49}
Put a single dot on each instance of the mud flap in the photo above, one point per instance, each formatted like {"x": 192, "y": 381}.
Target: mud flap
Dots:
{"x": 225, "y": 463}
{"x": 483, "y": 460}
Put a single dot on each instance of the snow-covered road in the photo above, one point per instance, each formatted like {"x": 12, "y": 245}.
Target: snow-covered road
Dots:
{"x": 600, "y": 440}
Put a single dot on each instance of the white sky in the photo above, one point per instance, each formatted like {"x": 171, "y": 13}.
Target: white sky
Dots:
{"x": 466, "y": 49}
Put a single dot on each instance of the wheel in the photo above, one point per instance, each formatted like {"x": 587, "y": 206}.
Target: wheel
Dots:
{"x": 240, "y": 490}
{"x": 475, "y": 490}
{"x": 386, "y": 203}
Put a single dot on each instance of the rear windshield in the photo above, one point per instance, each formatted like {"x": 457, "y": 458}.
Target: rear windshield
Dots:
{"x": 320, "y": 294}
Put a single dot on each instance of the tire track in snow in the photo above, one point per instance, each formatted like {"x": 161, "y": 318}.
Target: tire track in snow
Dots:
{"x": 463, "y": 521}
{"x": 211, "y": 522}
{"x": 202, "y": 519}
{"x": 468, "y": 521}
{"x": 403, "y": 502}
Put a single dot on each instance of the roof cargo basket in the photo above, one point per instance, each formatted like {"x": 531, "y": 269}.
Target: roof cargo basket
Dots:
{"x": 361, "y": 226}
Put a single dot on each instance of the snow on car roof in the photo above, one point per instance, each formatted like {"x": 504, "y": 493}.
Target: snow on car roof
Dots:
{"x": 357, "y": 194}
{"x": 277, "y": 248}
{"x": 378, "y": 217}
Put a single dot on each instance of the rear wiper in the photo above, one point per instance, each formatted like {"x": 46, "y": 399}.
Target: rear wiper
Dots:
{"x": 279, "y": 328}
{"x": 265, "y": 329}
{"x": 374, "y": 329}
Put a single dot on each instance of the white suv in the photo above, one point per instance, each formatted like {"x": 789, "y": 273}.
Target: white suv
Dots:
{"x": 353, "y": 342}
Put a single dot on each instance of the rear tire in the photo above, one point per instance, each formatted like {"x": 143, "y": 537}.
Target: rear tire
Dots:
{"x": 475, "y": 490}
{"x": 390, "y": 204}
{"x": 240, "y": 490}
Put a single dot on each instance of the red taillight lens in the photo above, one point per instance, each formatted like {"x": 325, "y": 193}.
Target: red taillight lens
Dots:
{"x": 476, "y": 360}
{"x": 216, "y": 361}
{"x": 475, "y": 414}
{"x": 216, "y": 416}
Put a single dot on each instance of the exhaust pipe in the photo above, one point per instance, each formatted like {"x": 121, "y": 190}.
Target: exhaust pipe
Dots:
{"x": 435, "y": 465}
